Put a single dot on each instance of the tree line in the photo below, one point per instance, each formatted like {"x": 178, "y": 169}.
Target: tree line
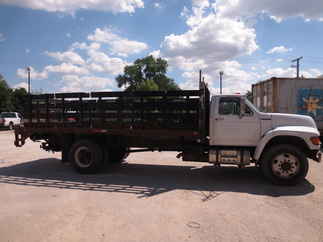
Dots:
{"x": 11, "y": 99}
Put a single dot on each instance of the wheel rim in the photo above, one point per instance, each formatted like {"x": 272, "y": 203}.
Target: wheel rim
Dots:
{"x": 285, "y": 165}
{"x": 83, "y": 157}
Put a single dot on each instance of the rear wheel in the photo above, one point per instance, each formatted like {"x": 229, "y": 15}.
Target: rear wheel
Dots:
{"x": 284, "y": 165}
{"x": 86, "y": 156}
{"x": 11, "y": 126}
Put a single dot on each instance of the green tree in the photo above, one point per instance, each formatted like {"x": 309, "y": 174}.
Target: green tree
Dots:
{"x": 147, "y": 85}
{"x": 18, "y": 99}
{"x": 146, "y": 73}
{"x": 5, "y": 95}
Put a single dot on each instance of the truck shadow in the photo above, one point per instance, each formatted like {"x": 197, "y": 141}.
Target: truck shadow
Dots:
{"x": 148, "y": 180}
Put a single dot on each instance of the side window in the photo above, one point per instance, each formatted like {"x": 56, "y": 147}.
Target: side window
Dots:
{"x": 229, "y": 106}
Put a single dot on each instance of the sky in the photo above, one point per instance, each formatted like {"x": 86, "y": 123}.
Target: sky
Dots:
{"x": 82, "y": 45}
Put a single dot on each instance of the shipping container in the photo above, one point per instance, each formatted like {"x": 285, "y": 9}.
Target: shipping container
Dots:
{"x": 291, "y": 95}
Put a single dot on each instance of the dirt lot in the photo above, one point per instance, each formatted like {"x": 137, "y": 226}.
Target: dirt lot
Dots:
{"x": 151, "y": 197}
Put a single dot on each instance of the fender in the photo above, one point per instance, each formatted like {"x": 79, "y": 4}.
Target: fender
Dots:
{"x": 303, "y": 132}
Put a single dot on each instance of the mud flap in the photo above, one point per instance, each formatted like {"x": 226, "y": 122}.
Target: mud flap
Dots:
{"x": 20, "y": 136}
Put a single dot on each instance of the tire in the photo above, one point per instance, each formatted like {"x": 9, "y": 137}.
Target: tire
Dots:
{"x": 86, "y": 157}
{"x": 284, "y": 165}
{"x": 118, "y": 155}
{"x": 11, "y": 126}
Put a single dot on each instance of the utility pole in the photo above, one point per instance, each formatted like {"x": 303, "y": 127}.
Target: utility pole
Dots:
{"x": 28, "y": 72}
{"x": 297, "y": 64}
{"x": 221, "y": 75}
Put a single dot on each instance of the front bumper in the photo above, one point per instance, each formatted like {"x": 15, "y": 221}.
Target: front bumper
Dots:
{"x": 316, "y": 155}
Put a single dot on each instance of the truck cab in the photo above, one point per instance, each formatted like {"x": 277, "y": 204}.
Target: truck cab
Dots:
{"x": 233, "y": 122}
{"x": 278, "y": 143}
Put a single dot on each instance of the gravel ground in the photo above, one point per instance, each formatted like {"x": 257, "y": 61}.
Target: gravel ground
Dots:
{"x": 151, "y": 197}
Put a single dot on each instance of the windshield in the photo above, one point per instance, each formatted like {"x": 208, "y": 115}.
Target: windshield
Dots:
{"x": 7, "y": 115}
{"x": 250, "y": 104}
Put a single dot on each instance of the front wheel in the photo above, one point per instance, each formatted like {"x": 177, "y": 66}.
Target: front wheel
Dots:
{"x": 86, "y": 156}
{"x": 284, "y": 165}
{"x": 11, "y": 126}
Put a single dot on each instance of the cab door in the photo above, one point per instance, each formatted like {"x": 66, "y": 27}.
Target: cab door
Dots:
{"x": 233, "y": 123}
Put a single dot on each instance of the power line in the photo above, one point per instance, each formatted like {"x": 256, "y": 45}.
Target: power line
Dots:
{"x": 297, "y": 64}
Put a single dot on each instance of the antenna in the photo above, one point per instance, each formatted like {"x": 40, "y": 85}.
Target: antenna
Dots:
{"x": 221, "y": 75}
{"x": 200, "y": 80}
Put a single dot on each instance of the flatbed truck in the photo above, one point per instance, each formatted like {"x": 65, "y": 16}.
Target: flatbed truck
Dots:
{"x": 98, "y": 128}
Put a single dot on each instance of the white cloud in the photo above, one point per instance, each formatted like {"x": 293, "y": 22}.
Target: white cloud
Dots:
{"x": 100, "y": 61}
{"x": 279, "y": 60}
{"x": 218, "y": 33}
{"x": 79, "y": 65}
{"x": 234, "y": 79}
{"x": 68, "y": 35}
{"x": 277, "y": 10}
{"x": 27, "y": 51}
{"x": 279, "y": 50}
{"x": 71, "y": 6}
{"x": 278, "y": 19}
{"x": 2, "y": 38}
{"x": 213, "y": 38}
{"x": 96, "y": 67}
{"x": 95, "y": 61}
{"x": 185, "y": 12}
{"x": 74, "y": 83}
{"x": 118, "y": 45}
{"x": 67, "y": 68}
{"x": 291, "y": 72}
{"x": 34, "y": 74}
{"x": 68, "y": 56}
{"x": 187, "y": 64}
{"x": 210, "y": 44}
{"x": 84, "y": 46}
{"x": 21, "y": 85}
{"x": 192, "y": 80}
{"x": 198, "y": 10}
{"x": 155, "y": 53}
{"x": 157, "y": 5}
{"x": 312, "y": 73}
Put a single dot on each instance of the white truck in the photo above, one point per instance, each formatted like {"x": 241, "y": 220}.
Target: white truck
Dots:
{"x": 223, "y": 130}
{"x": 10, "y": 119}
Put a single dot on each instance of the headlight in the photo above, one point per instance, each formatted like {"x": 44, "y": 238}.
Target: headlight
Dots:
{"x": 315, "y": 140}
